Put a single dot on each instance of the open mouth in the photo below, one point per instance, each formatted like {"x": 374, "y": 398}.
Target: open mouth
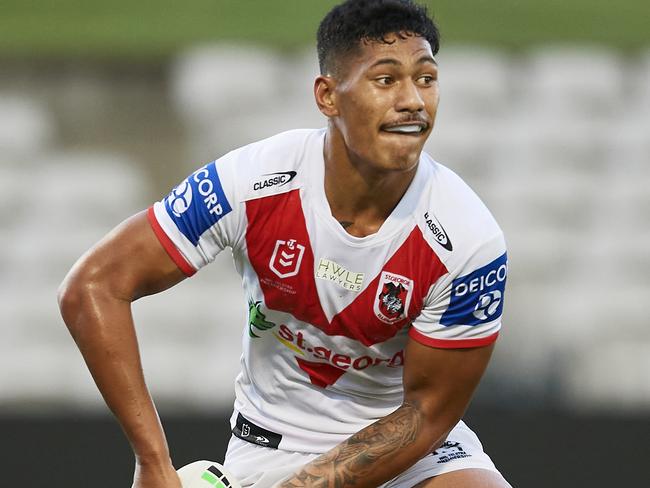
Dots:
{"x": 407, "y": 129}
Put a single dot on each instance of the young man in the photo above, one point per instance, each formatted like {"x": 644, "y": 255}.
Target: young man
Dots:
{"x": 374, "y": 277}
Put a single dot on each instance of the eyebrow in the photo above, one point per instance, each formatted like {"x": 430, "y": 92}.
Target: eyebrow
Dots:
{"x": 395, "y": 62}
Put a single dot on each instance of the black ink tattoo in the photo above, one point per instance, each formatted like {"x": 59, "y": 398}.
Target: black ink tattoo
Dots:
{"x": 350, "y": 463}
{"x": 346, "y": 224}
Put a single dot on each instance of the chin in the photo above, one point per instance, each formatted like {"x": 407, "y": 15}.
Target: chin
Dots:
{"x": 404, "y": 160}
{"x": 389, "y": 158}
{"x": 406, "y": 153}
{"x": 400, "y": 163}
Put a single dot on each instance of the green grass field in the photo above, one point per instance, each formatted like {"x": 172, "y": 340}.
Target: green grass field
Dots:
{"x": 157, "y": 28}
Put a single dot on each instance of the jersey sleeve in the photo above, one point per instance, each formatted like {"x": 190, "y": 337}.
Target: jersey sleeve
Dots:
{"x": 464, "y": 309}
{"x": 199, "y": 218}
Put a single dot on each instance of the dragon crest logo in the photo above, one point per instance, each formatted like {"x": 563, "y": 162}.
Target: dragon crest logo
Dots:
{"x": 393, "y": 297}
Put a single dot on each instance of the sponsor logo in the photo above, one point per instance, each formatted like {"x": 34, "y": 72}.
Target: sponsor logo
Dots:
{"x": 180, "y": 198}
{"x": 198, "y": 203}
{"x": 438, "y": 231}
{"x": 274, "y": 179}
{"x": 250, "y": 432}
{"x": 334, "y": 272}
{"x": 296, "y": 342}
{"x": 393, "y": 297}
{"x": 487, "y": 305}
{"x": 477, "y": 298}
{"x": 450, "y": 451}
{"x": 286, "y": 258}
{"x": 256, "y": 439}
{"x": 257, "y": 319}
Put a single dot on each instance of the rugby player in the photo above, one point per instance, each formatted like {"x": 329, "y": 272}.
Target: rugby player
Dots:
{"x": 374, "y": 278}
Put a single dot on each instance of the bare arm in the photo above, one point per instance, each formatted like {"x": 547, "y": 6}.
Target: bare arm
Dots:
{"x": 95, "y": 301}
{"x": 438, "y": 385}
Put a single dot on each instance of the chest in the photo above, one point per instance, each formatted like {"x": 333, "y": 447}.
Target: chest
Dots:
{"x": 365, "y": 292}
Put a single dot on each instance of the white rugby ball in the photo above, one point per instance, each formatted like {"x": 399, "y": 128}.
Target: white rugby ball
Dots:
{"x": 206, "y": 474}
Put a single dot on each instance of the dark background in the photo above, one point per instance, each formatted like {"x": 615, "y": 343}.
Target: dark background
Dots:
{"x": 532, "y": 449}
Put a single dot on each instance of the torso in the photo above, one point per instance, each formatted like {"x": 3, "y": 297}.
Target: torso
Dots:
{"x": 329, "y": 313}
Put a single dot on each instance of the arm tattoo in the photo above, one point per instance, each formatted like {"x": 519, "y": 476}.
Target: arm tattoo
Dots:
{"x": 350, "y": 462}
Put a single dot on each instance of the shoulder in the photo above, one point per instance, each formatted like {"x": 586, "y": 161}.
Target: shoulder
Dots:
{"x": 273, "y": 165}
{"x": 455, "y": 220}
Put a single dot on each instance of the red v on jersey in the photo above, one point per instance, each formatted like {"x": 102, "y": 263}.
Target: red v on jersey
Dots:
{"x": 280, "y": 251}
{"x": 320, "y": 374}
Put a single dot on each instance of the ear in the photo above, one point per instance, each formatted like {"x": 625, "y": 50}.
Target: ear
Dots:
{"x": 325, "y": 95}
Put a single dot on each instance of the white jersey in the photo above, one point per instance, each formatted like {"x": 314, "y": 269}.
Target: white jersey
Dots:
{"x": 330, "y": 313}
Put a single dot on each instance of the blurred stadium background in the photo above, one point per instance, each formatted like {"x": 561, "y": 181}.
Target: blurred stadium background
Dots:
{"x": 545, "y": 111}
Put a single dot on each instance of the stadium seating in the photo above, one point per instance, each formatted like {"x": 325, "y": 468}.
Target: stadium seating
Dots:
{"x": 556, "y": 141}
{"x": 579, "y": 81}
{"x": 26, "y": 127}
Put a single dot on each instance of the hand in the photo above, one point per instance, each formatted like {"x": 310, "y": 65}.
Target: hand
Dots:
{"x": 155, "y": 476}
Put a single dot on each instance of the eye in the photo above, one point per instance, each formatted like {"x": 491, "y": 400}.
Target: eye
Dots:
{"x": 427, "y": 79}
{"x": 384, "y": 80}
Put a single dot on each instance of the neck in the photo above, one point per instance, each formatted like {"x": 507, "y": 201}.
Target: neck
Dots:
{"x": 360, "y": 197}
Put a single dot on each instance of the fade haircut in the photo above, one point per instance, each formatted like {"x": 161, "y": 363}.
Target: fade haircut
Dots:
{"x": 353, "y": 22}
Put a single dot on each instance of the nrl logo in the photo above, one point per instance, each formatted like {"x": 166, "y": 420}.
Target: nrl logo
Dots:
{"x": 393, "y": 297}
{"x": 257, "y": 319}
{"x": 286, "y": 258}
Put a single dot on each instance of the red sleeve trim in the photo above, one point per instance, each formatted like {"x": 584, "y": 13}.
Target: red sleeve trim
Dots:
{"x": 169, "y": 246}
{"x": 452, "y": 343}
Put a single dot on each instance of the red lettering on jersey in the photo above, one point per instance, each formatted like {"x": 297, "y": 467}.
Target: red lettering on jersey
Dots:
{"x": 320, "y": 374}
{"x": 280, "y": 217}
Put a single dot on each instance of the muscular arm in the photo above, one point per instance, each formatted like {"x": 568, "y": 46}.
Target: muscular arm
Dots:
{"x": 438, "y": 385}
{"x": 95, "y": 301}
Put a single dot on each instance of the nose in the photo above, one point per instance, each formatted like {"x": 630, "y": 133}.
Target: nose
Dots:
{"x": 409, "y": 98}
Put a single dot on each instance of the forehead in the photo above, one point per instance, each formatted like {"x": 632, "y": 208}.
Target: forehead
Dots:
{"x": 404, "y": 48}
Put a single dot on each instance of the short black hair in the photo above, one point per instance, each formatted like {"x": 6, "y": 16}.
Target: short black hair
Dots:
{"x": 348, "y": 24}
